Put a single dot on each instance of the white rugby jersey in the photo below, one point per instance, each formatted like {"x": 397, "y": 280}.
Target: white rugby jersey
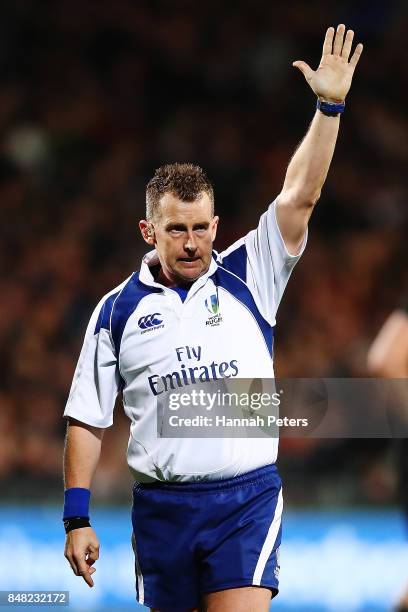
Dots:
{"x": 142, "y": 335}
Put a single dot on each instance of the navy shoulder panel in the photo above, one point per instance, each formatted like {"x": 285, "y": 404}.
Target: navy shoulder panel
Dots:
{"x": 105, "y": 313}
{"x": 237, "y": 288}
{"x": 236, "y": 262}
{"x": 126, "y": 303}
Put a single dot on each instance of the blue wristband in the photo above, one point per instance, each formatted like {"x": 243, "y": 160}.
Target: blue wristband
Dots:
{"x": 76, "y": 503}
{"x": 330, "y": 109}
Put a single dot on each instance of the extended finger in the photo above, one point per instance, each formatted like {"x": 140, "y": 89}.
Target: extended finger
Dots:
{"x": 85, "y": 572}
{"x": 83, "y": 569}
{"x": 338, "y": 39}
{"x": 328, "y": 41}
{"x": 356, "y": 55}
{"x": 347, "y": 44}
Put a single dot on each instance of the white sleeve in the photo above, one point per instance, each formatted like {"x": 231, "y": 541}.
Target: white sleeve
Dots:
{"x": 96, "y": 381}
{"x": 263, "y": 262}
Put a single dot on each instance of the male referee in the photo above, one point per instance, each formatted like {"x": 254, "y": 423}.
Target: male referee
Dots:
{"x": 206, "y": 525}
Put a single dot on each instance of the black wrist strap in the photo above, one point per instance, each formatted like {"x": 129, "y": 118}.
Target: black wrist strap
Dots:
{"x": 76, "y": 522}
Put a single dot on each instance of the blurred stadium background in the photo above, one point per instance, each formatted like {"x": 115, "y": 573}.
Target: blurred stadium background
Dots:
{"x": 94, "y": 95}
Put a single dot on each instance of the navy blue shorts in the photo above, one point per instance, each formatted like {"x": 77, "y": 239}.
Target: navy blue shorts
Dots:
{"x": 196, "y": 538}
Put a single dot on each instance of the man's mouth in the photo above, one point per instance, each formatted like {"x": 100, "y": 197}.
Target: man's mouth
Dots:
{"x": 188, "y": 259}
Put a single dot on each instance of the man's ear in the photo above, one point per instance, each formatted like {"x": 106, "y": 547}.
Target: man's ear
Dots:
{"x": 147, "y": 231}
{"x": 214, "y": 226}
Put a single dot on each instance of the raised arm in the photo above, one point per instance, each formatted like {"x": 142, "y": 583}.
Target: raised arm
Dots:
{"x": 309, "y": 166}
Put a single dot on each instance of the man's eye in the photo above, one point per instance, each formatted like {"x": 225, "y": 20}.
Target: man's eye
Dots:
{"x": 176, "y": 231}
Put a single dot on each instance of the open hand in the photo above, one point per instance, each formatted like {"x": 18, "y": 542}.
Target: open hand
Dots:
{"x": 332, "y": 80}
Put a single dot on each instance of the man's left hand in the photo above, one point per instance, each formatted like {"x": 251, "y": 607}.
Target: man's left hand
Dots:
{"x": 332, "y": 80}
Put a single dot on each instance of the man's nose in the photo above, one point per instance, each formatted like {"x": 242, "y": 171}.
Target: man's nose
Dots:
{"x": 190, "y": 245}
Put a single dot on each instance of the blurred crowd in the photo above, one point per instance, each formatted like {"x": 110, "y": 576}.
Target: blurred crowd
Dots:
{"x": 93, "y": 97}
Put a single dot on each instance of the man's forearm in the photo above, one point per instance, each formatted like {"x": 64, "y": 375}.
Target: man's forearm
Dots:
{"x": 81, "y": 454}
{"x": 308, "y": 168}
{"x": 304, "y": 179}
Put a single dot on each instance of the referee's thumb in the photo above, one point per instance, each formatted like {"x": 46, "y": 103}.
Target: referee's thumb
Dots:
{"x": 304, "y": 68}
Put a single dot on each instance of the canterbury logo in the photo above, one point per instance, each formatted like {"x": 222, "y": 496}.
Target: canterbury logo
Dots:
{"x": 150, "y": 320}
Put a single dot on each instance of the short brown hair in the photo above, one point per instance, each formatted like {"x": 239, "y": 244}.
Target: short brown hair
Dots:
{"x": 185, "y": 181}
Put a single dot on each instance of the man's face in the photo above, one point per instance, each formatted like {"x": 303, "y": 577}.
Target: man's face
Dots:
{"x": 183, "y": 235}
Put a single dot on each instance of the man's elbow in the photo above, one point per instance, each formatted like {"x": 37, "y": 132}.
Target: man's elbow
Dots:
{"x": 309, "y": 199}
{"x": 301, "y": 198}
